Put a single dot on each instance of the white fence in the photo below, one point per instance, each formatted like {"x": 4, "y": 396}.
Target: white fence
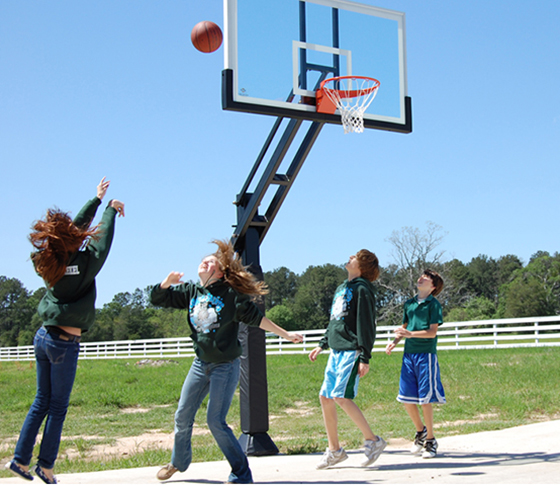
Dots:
{"x": 482, "y": 334}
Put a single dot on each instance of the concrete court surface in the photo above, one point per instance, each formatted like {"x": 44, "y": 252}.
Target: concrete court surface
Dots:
{"x": 525, "y": 454}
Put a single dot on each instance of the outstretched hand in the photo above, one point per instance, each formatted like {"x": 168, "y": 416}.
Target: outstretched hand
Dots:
{"x": 295, "y": 338}
{"x": 102, "y": 188}
{"x": 173, "y": 278}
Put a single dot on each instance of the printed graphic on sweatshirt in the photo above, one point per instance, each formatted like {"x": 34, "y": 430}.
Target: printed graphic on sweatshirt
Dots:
{"x": 341, "y": 302}
{"x": 205, "y": 313}
{"x": 72, "y": 270}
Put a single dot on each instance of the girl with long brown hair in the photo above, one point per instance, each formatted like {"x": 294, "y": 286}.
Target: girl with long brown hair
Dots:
{"x": 217, "y": 305}
{"x": 68, "y": 256}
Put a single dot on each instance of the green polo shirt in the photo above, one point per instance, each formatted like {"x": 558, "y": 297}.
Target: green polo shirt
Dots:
{"x": 419, "y": 316}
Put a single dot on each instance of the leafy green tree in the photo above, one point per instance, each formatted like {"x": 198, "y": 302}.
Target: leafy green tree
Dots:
{"x": 313, "y": 299}
{"x": 17, "y": 308}
{"x": 507, "y": 266}
{"x": 479, "y": 308}
{"x": 535, "y": 290}
{"x": 168, "y": 322}
{"x": 526, "y": 297}
{"x": 282, "y": 284}
{"x": 483, "y": 277}
{"x": 124, "y": 318}
{"x": 284, "y": 316}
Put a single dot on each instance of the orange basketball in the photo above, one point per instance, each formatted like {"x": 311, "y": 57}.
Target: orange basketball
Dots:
{"x": 206, "y": 36}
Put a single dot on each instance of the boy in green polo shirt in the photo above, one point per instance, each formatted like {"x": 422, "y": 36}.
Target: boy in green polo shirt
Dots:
{"x": 420, "y": 383}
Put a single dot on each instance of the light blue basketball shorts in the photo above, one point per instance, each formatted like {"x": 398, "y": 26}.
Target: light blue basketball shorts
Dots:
{"x": 420, "y": 380}
{"x": 341, "y": 375}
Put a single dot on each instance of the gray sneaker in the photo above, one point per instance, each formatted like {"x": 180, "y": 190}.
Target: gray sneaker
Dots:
{"x": 373, "y": 449}
{"x": 331, "y": 458}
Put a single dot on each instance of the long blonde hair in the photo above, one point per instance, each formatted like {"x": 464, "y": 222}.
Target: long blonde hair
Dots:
{"x": 235, "y": 273}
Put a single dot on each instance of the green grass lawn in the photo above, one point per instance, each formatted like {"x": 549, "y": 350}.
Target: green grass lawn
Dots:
{"x": 485, "y": 390}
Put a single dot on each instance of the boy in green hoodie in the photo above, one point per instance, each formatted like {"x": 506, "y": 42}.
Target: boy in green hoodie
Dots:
{"x": 350, "y": 336}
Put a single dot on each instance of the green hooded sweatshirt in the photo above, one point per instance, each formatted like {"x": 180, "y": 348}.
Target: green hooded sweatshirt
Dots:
{"x": 214, "y": 316}
{"x": 352, "y": 323}
{"x": 71, "y": 301}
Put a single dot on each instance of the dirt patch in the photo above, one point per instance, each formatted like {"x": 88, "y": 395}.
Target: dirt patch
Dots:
{"x": 138, "y": 409}
{"x": 477, "y": 419}
{"x": 301, "y": 409}
{"x": 399, "y": 443}
{"x": 152, "y": 440}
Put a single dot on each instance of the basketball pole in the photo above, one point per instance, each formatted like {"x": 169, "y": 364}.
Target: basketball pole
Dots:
{"x": 248, "y": 235}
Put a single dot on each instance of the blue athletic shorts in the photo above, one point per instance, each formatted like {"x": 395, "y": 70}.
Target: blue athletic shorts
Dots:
{"x": 420, "y": 380}
{"x": 341, "y": 375}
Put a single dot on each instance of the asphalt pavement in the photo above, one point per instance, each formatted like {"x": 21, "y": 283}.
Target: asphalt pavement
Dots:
{"x": 524, "y": 454}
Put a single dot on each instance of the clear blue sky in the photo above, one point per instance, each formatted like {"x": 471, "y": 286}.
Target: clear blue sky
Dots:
{"x": 115, "y": 88}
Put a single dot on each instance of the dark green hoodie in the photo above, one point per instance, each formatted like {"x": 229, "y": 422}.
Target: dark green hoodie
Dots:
{"x": 352, "y": 324}
{"x": 71, "y": 302}
{"x": 214, "y": 316}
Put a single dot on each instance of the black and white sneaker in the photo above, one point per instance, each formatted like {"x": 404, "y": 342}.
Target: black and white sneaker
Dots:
{"x": 430, "y": 449}
{"x": 419, "y": 441}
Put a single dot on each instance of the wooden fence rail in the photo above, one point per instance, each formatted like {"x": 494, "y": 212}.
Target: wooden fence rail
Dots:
{"x": 481, "y": 334}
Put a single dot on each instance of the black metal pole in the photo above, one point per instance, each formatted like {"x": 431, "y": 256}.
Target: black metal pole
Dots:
{"x": 253, "y": 386}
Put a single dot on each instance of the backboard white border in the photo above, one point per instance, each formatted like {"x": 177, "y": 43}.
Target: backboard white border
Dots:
{"x": 231, "y": 61}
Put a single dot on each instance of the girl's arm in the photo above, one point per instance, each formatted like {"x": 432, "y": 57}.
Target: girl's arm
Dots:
{"x": 269, "y": 326}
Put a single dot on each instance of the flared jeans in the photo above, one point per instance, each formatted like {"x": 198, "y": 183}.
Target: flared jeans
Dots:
{"x": 219, "y": 381}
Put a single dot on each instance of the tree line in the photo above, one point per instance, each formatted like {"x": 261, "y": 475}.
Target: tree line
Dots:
{"x": 484, "y": 288}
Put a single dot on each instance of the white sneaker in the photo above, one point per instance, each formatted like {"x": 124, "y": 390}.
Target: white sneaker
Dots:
{"x": 373, "y": 449}
{"x": 419, "y": 441}
{"x": 331, "y": 458}
{"x": 430, "y": 449}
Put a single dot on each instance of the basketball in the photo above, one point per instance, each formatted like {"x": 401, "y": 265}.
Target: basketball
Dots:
{"x": 206, "y": 36}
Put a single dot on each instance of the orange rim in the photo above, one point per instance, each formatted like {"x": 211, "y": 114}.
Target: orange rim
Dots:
{"x": 353, "y": 93}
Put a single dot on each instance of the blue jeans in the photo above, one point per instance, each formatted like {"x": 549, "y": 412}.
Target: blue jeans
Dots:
{"x": 57, "y": 361}
{"x": 220, "y": 381}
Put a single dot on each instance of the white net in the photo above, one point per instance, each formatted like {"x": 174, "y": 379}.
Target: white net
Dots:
{"x": 352, "y": 96}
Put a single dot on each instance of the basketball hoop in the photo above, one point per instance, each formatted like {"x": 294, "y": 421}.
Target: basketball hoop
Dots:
{"x": 351, "y": 95}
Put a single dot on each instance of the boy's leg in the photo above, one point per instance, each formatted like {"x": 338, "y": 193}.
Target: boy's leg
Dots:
{"x": 373, "y": 445}
{"x": 421, "y": 433}
{"x": 330, "y": 418}
{"x": 414, "y": 413}
{"x": 428, "y": 412}
{"x": 335, "y": 453}
{"x": 356, "y": 415}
